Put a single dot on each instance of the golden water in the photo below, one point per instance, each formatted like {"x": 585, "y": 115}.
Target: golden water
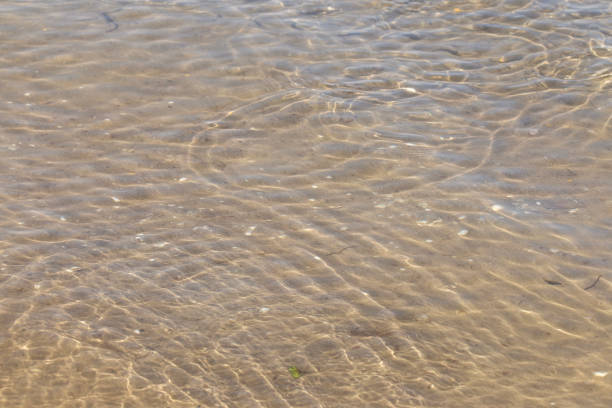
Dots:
{"x": 405, "y": 200}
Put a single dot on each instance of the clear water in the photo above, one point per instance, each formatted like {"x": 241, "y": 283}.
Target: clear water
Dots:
{"x": 407, "y": 201}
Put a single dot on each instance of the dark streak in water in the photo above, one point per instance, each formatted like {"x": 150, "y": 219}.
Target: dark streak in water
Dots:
{"x": 552, "y": 282}
{"x": 110, "y": 20}
{"x": 340, "y": 251}
{"x": 592, "y": 285}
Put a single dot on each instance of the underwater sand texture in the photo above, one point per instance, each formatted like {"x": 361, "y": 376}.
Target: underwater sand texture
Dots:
{"x": 306, "y": 203}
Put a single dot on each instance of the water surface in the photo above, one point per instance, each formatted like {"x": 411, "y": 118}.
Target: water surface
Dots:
{"x": 408, "y": 201}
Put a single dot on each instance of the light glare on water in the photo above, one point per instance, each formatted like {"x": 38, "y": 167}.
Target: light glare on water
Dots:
{"x": 305, "y": 203}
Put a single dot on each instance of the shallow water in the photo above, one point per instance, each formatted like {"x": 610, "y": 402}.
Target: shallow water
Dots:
{"x": 408, "y": 201}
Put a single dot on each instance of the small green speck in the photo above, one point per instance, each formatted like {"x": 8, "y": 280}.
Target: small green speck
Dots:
{"x": 295, "y": 372}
